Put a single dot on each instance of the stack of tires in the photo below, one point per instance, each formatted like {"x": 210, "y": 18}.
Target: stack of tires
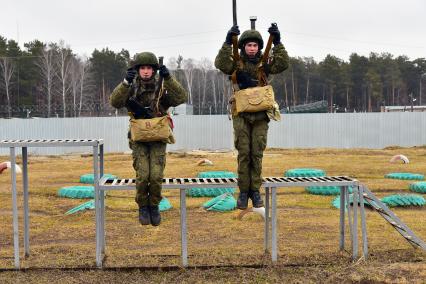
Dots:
{"x": 317, "y": 190}
{"x": 212, "y": 192}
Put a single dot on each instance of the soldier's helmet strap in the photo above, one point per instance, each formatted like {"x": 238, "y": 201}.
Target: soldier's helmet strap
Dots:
{"x": 261, "y": 74}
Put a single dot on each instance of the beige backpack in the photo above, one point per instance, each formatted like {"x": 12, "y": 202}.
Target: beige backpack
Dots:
{"x": 152, "y": 129}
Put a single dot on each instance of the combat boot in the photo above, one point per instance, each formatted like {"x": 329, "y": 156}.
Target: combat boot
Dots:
{"x": 144, "y": 216}
{"x": 256, "y": 199}
{"x": 155, "y": 215}
{"x": 242, "y": 201}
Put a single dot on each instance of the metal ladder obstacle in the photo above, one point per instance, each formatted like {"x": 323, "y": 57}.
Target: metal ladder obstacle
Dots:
{"x": 392, "y": 219}
{"x": 98, "y": 169}
{"x": 269, "y": 183}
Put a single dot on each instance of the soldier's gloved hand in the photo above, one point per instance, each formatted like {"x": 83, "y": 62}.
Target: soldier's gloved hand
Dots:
{"x": 245, "y": 80}
{"x": 130, "y": 76}
{"x": 234, "y": 31}
{"x": 164, "y": 72}
{"x": 275, "y": 32}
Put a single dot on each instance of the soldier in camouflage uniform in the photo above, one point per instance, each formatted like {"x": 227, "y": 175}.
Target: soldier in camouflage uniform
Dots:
{"x": 149, "y": 158}
{"x": 250, "y": 129}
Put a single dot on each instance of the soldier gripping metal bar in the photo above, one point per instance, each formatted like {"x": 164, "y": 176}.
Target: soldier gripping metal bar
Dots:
{"x": 249, "y": 69}
{"x": 146, "y": 98}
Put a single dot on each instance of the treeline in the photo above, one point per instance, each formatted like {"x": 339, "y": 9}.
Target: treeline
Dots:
{"x": 361, "y": 84}
{"x": 48, "y": 80}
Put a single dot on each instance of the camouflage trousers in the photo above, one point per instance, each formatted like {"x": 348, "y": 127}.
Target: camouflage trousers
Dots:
{"x": 250, "y": 136}
{"x": 149, "y": 161}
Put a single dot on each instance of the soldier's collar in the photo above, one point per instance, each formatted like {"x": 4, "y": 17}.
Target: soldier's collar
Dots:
{"x": 254, "y": 60}
{"x": 146, "y": 82}
{"x": 146, "y": 85}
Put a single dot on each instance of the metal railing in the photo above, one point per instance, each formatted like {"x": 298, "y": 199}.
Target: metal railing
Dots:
{"x": 269, "y": 183}
{"x": 98, "y": 169}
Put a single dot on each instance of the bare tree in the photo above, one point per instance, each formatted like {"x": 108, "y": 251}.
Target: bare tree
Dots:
{"x": 7, "y": 69}
{"x": 226, "y": 91}
{"x": 309, "y": 63}
{"x": 179, "y": 61}
{"x": 64, "y": 67}
{"x": 213, "y": 80}
{"x": 80, "y": 83}
{"x": 286, "y": 92}
{"x": 293, "y": 87}
{"x": 75, "y": 83}
{"x": 205, "y": 66}
{"x": 47, "y": 68}
{"x": 189, "y": 67}
{"x": 85, "y": 80}
{"x": 172, "y": 63}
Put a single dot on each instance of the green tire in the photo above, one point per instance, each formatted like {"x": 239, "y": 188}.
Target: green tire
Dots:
{"x": 336, "y": 201}
{"x": 165, "y": 204}
{"x": 405, "y": 176}
{"x": 212, "y": 192}
{"x": 304, "y": 172}
{"x": 88, "y": 178}
{"x": 325, "y": 190}
{"x": 404, "y": 200}
{"x": 419, "y": 187}
{"x": 221, "y": 203}
{"x": 78, "y": 192}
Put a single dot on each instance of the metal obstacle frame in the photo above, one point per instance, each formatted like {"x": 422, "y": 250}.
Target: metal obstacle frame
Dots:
{"x": 271, "y": 184}
{"x": 102, "y": 184}
{"x": 98, "y": 170}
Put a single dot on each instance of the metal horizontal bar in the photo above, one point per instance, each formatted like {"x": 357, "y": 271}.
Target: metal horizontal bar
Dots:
{"x": 50, "y": 142}
{"x": 185, "y": 183}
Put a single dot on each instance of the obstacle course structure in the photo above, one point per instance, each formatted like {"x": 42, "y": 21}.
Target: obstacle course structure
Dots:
{"x": 97, "y": 146}
{"x": 352, "y": 209}
{"x": 392, "y": 219}
{"x": 271, "y": 184}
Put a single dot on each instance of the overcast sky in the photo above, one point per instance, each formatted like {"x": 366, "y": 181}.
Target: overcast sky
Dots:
{"x": 197, "y": 28}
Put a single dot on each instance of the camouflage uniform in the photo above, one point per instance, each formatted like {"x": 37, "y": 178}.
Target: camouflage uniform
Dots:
{"x": 250, "y": 129}
{"x": 149, "y": 158}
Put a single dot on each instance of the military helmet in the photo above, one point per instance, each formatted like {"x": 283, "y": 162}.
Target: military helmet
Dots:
{"x": 250, "y": 35}
{"x": 145, "y": 58}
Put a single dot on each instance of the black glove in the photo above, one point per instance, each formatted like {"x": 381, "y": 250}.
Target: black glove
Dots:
{"x": 273, "y": 31}
{"x": 164, "y": 72}
{"x": 245, "y": 80}
{"x": 130, "y": 75}
{"x": 234, "y": 31}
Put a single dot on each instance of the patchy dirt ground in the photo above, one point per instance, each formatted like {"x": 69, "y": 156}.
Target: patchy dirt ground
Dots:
{"x": 221, "y": 247}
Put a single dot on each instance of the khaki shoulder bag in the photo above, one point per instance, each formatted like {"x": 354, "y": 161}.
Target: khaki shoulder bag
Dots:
{"x": 152, "y": 129}
{"x": 253, "y": 99}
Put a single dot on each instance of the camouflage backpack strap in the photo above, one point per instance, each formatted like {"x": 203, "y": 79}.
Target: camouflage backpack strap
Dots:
{"x": 134, "y": 89}
{"x": 133, "y": 92}
{"x": 261, "y": 75}
{"x": 131, "y": 115}
{"x": 235, "y": 87}
{"x": 159, "y": 94}
{"x": 240, "y": 66}
{"x": 160, "y": 89}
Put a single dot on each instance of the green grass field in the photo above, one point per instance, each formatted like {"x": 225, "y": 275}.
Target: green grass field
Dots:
{"x": 222, "y": 248}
